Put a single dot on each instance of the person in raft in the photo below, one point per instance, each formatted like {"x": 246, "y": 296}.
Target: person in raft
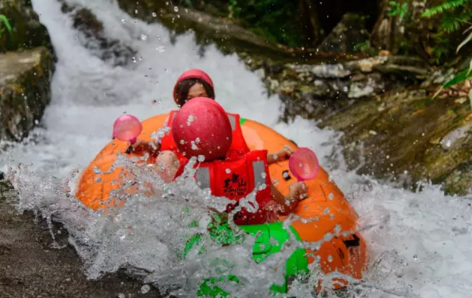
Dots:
{"x": 196, "y": 83}
{"x": 203, "y": 130}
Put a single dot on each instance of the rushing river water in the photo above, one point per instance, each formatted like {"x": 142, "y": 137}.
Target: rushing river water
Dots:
{"x": 419, "y": 242}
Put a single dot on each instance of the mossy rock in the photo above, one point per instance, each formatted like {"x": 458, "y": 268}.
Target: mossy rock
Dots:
{"x": 25, "y": 78}
{"x": 409, "y": 133}
{"x": 27, "y": 31}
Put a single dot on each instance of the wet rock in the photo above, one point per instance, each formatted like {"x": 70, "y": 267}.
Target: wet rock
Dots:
{"x": 25, "y": 91}
{"x": 366, "y": 86}
{"x": 93, "y": 37}
{"x": 27, "y": 31}
{"x": 460, "y": 180}
{"x": 346, "y": 37}
{"x": 408, "y": 135}
{"x": 30, "y": 267}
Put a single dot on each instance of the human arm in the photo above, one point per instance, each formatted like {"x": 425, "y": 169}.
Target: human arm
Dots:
{"x": 152, "y": 147}
{"x": 143, "y": 147}
{"x": 281, "y": 155}
{"x": 288, "y": 203}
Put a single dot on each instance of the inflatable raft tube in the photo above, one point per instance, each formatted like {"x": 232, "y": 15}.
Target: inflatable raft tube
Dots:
{"x": 324, "y": 212}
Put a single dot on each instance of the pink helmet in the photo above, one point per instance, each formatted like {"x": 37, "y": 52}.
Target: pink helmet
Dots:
{"x": 192, "y": 74}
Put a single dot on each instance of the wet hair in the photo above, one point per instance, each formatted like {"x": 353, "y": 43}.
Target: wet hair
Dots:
{"x": 184, "y": 86}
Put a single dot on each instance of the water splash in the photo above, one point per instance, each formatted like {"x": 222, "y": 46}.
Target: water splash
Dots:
{"x": 427, "y": 224}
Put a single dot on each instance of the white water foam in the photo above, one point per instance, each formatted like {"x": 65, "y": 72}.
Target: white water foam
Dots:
{"x": 421, "y": 240}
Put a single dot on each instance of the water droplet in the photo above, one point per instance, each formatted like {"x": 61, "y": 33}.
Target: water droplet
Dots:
{"x": 326, "y": 211}
{"x": 275, "y": 156}
{"x": 176, "y": 9}
{"x": 197, "y": 141}
{"x": 415, "y": 257}
{"x": 154, "y": 15}
{"x": 228, "y": 171}
{"x": 330, "y": 258}
{"x": 285, "y": 175}
{"x": 182, "y": 142}
{"x": 330, "y": 196}
{"x": 264, "y": 175}
{"x": 201, "y": 158}
{"x": 145, "y": 289}
{"x": 97, "y": 170}
{"x": 123, "y": 21}
{"x": 143, "y": 37}
{"x": 190, "y": 119}
{"x": 161, "y": 49}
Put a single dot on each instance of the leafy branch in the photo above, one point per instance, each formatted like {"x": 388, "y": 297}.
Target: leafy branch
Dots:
{"x": 4, "y": 20}
{"x": 398, "y": 9}
{"x": 455, "y": 13}
{"x": 447, "y": 6}
{"x": 463, "y": 75}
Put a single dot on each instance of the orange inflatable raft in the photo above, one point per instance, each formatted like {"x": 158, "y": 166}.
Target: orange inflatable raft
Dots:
{"x": 326, "y": 211}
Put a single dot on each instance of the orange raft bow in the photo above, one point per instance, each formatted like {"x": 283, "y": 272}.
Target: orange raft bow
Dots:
{"x": 345, "y": 253}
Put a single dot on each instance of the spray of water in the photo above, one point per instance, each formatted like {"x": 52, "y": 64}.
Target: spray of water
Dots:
{"x": 418, "y": 241}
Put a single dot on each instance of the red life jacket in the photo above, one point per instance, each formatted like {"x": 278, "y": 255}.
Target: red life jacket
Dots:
{"x": 237, "y": 178}
{"x": 238, "y": 145}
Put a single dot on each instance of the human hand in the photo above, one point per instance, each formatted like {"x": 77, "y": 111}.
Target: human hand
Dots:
{"x": 142, "y": 147}
{"x": 285, "y": 153}
{"x": 297, "y": 191}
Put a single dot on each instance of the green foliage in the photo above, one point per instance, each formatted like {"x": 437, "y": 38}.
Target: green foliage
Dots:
{"x": 398, "y": 9}
{"x": 454, "y": 14}
{"x": 365, "y": 47}
{"x": 459, "y": 78}
{"x": 463, "y": 75}
{"x": 277, "y": 20}
{"x": 442, "y": 47}
{"x": 6, "y": 23}
{"x": 447, "y": 6}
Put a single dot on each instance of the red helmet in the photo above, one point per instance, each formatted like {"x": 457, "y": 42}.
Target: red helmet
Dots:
{"x": 202, "y": 128}
{"x": 193, "y": 74}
